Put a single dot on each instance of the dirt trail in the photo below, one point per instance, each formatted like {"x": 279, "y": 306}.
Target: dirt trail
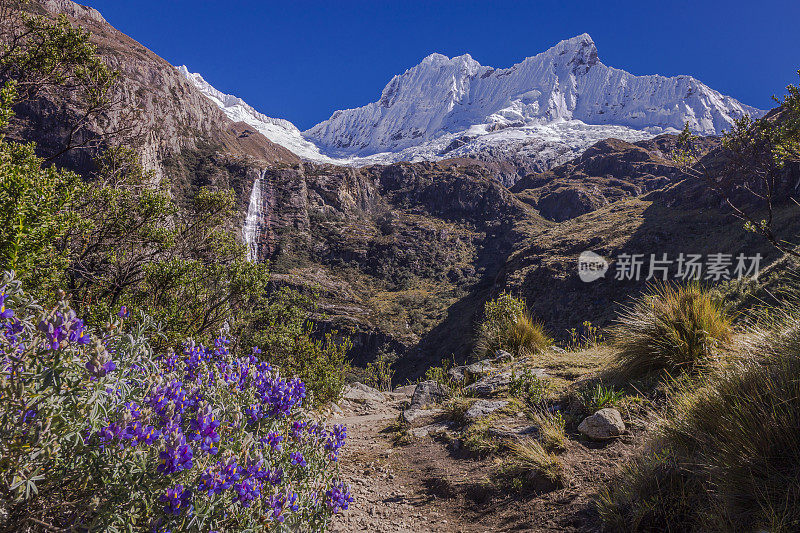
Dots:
{"x": 425, "y": 486}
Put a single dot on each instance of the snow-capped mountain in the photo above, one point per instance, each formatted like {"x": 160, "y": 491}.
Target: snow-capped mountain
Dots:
{"x": 567, "y": 82}
{"x": 277, "y": 130}
{"x": 544, "y": 110}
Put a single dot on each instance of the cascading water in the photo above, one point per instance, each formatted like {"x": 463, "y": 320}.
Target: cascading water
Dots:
{"x": 252, "y": 224}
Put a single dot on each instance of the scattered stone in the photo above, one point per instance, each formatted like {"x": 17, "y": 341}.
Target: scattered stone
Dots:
{"x": 603, "y": 425}
{"x": 409, "y": 415}
{"x": 426, "y": 393}
{"x": 483, "y": 408}
{"x": 502, "y": 356}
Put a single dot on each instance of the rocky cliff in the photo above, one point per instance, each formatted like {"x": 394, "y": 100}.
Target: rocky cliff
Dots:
{"x": 171, "y": 116}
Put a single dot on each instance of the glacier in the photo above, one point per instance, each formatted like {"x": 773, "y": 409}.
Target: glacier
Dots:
{"x": 548, "y": 107}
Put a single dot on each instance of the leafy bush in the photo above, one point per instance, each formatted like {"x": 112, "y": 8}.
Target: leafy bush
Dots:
{"x": 673, "y": 328}
{"x": 379, "y": 373}
{"x": 529, "y": 388}
{"x": 507, "y": 325}
{"x": 100, "y": 433}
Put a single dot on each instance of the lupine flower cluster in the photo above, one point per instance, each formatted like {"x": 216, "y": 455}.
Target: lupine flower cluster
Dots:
{"x": 222, "y": 435}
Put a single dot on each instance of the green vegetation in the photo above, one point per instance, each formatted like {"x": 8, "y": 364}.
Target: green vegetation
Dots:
{"x": 599, "y": 396}
{"x": 551, "y": 430}
{"x": 672, "y": 328}
{"x": 119, "y": 237}
{"x": 529, "y": 388}
{"x": 508, "y": 325}
{"x": 531, "y": 466}
{"x": 379, "y": 373}
{"x": 588, "y": 336}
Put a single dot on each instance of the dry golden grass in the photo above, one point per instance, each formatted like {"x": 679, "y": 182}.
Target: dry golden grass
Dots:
{"x": 676, "y": 328}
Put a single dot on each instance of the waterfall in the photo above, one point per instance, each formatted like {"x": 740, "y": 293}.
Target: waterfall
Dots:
{"x": 252, "y": 224}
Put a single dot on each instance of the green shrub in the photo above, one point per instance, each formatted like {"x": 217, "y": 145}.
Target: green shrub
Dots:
{"x": 508, "y": 325}
{"x": 597, "y": 397}
{"x": 99, "y": 433}
{"x": 529, "y": 388}
{"x": 674, "y": 328}
{"x": 379, "y": 373}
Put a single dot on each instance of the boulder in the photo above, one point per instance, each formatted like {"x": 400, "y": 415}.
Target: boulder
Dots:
{"x": 603, "y": 425}
{"x": 360, "y": 393}
{"x": 470, "y": 372}
{"x": 483, "y": 408}
{"x": 427, "y": 393}
{"x": 489, "y": 385}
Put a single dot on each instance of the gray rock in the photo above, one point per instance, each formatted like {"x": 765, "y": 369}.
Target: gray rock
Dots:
{"x": 470, "y": 372}
{"x": 502, "y": 356}
{"x": 483, "y": 408}
{"x": 603, "y": 425}
{"x": 360, "y": 393}
{"x": 489, "y": 385}
{"x": 479, "y": 369}
{"x": 427, "y": 393}
{"x": 456, "y": 373}
{"x": 557, "y": 349}
{"x": 409, "y": 415}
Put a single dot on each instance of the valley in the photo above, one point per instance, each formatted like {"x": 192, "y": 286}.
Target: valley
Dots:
{"x": 388, "y": 322}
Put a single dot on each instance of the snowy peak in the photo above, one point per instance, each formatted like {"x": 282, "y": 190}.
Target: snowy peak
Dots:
{"x": 567, "y": 82}
{"x": 539, "y": 112}
{"x": 277, "y": 130}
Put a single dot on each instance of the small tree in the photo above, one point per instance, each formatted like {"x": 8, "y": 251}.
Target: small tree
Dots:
{"x": 755, "y": 154}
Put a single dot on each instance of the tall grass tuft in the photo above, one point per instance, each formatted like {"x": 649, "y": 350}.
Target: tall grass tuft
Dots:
{"x": 530, "y": 460}
{"x": 673, "y": 328}
{"x": 509, "y": 326}
{"x": 728, "y": 452}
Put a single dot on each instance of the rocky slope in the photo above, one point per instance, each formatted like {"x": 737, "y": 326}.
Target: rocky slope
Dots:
{"x": 171, "y": 116}
{"x": 606, "y": 172}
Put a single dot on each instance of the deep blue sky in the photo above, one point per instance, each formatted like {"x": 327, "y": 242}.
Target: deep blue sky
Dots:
{"x": 302, "y": 60}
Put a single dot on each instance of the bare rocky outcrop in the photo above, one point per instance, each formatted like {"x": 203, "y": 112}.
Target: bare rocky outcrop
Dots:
{"x": 171, "y": 117}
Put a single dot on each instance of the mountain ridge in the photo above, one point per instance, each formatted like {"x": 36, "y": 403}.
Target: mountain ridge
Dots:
{"x": 540, "y": 112}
